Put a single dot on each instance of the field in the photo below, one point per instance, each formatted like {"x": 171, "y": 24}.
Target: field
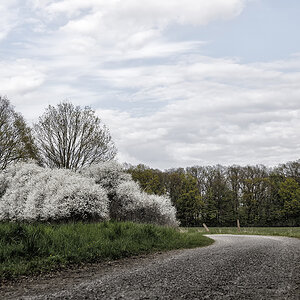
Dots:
{"x": 30, "y": 249}
{"x": 278, "y": 231}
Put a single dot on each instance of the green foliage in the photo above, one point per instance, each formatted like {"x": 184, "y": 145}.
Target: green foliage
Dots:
{"x": 289, "y": 192}
{"x": 34, "y": 248}
{"x": 218, "y": 196}
{"x": 150, "y": 180}
{"x": 189, "y": 202}
{"x": 16, "y": 141}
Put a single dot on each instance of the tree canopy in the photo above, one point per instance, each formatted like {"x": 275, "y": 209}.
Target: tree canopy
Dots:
{"x": 16, "y": 140}
{"x": 218, "y": 195}
{"x": 71, "y": 137}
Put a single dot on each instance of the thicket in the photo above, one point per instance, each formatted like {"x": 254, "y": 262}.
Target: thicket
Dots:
{"x": 103, "y": 191}
{"x": 219, "y": 195}
{"x": 33, "y": 193}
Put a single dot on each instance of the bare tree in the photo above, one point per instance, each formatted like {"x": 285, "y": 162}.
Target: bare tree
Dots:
{"x": 16, "y": 141}
{"x": 71, "y": 137}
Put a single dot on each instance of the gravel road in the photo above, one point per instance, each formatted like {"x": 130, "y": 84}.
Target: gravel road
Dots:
{"x": 234, "y": 267}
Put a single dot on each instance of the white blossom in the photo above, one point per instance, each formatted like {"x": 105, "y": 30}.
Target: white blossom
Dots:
{"x": 136, "y": 205}
{"x": 108, "y": 174}
{"x": 127, "y": 201}
{"x": 35, "y": 193}
{"x": 102, "y": 191}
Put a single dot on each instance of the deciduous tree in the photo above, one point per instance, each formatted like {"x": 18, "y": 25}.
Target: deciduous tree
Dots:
{"x": 16, "y": 141}
{"x": 71, "y": 137}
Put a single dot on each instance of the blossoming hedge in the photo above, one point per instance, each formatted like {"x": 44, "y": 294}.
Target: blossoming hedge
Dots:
{"x": 34, "y": 193}
{"x": 127, "y": 202}
{"x": 99, "y": 192}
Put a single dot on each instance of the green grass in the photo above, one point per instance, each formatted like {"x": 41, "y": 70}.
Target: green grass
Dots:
{"x": 30, "y": 249}
{"x": 278, "y": 231}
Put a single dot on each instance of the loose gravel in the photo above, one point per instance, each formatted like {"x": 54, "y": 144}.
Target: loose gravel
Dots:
{"x": 234, "y": 267}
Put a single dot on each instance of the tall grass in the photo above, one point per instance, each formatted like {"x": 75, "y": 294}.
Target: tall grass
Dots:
{"x": 35, "y": 248}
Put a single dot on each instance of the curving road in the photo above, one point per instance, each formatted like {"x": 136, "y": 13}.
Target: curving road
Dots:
{"x": 234, "y": 267}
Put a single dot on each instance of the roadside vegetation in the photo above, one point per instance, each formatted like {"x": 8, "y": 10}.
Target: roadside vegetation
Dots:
{"x": 277, "y": 231}
{"x": 64, "y": 200}
{"x": 27, "y": 249}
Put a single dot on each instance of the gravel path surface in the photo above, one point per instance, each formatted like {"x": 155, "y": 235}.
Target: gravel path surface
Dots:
{"x": 234, "y": 267}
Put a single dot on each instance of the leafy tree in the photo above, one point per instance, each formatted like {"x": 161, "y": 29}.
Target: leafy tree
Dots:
{"x": 218, "y": 195}
{"x": 290, "y": 169}
{"x": 290, "y": 194}
{"x": 255, "y": 194}
{"x": 217, "y": 199}
{"x": 189, "y": 202}
{"x": 150, "y": 180}
{"x": 71, "y": 137}
{"x": 16, "y": 141}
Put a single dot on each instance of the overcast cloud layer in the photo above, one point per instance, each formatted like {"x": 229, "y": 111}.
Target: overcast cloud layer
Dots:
{"x": 146, "y": 68}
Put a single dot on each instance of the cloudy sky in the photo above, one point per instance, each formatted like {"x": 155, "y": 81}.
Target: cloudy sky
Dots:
{"x": 178, "y": 82}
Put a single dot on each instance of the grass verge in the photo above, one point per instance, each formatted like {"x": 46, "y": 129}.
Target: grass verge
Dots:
{"x": 34, "y": 248}
{"x": 277, "y": 231}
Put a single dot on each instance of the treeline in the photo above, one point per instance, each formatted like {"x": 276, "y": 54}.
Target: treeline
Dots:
{"x": 218, "y": 195}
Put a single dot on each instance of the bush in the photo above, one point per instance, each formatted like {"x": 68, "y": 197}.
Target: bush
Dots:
{"x": 132, "y": 204}
{"x": 127, "y": 201}
{"x": 108, "y": 174}
{"x": 37, "y": 194}
{"x": 32, "y": 193}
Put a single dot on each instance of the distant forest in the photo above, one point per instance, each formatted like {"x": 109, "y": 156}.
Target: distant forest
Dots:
{"x": 218, "y": 195}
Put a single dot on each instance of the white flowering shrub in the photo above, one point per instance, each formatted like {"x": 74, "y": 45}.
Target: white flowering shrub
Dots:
{"x": 17, "y": 186}
{"x": 127, "y": 201}
{"x": 135, "y": 205}
{"x": 103, "y": 191}
{"x": 108, "y": 174}
{"x": 35, "y": 193}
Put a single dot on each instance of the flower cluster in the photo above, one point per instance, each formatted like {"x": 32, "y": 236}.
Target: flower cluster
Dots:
{"x": 99, "y": 192}
{"x": 35, "y": 193}
{"x": 135, "y": 205}
{"x": 127, "y": 200}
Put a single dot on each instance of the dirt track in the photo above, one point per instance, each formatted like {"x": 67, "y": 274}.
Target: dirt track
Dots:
{"x": 234, "y": 267}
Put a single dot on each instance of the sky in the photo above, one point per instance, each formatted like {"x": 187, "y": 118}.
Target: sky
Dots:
{"x": 178, "y": 82}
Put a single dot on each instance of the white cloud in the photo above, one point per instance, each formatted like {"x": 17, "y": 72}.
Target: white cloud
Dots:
{"x": 153, "y": 12}
{"x": 252, "y": 117}
{"x": 8, "y": 17}
{"x": 20, "y": 77}
{"x": 126, "y": 29}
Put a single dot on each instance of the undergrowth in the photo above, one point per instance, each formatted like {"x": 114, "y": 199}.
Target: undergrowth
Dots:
{"x": 34, "y": 248}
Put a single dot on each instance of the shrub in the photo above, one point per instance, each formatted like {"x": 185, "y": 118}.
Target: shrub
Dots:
{"x": 108, "y": 174}
{"x": 34, "y": 193}
{"x": 127, "y": 201}
{"x": 132, "y": 204}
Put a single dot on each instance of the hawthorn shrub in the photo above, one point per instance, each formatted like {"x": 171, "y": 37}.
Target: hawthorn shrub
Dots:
{"x": 132, "y": 204}
{"x": 127, "y": 201}
{"x": 99, "y": 192}
{"x": 33, "y": 193}
{"x": 108, "y": 174}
